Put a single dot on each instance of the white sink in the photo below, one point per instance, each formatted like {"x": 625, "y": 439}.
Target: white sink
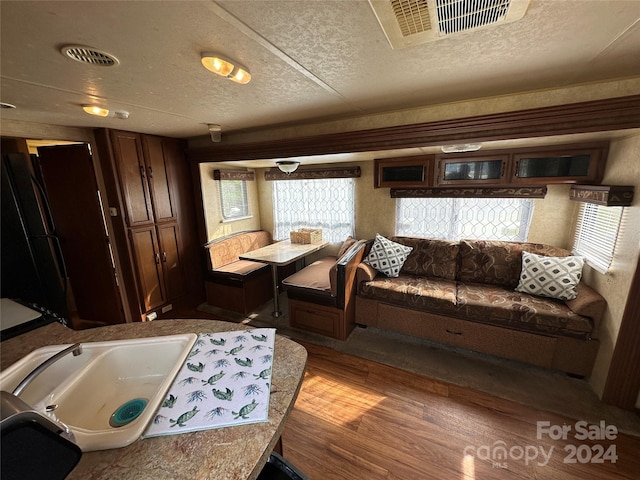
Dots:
{"x": 90, "y": 388}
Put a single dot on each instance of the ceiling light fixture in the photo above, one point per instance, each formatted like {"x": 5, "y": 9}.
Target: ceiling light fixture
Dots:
{"x": 287, "y": 166}
{"x": 225, "y": 67}
{"x": 460, "y": 148}
{"x": 95, "y": 110}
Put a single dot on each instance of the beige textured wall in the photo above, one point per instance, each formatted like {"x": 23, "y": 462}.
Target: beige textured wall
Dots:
{"x": 215, "y": 227}
{"x": 551, "y": 216}
{"x": 623, "y": 168}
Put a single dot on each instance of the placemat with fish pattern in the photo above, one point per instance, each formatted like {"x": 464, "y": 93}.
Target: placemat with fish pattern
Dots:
{"x": 225, "y": 381}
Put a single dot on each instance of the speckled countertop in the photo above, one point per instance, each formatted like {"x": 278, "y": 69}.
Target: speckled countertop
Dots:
{"x": 233, "y": 453}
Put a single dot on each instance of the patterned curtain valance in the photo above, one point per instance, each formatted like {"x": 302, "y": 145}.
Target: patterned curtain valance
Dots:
{"x": 246, "y": 175}
{"x": 607, "y": 195}
{"x": 313, "y": 173}
{"x": 470, "y": 192}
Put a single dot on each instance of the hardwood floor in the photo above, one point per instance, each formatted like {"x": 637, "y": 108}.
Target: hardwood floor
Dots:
{"x": 356, "y": 419}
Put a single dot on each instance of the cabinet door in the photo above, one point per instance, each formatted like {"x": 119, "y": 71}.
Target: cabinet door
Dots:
{"x": 562, "y": 166}
{"x": 148, "y": 262}
{"x": 159, "y": 178}
{"x": 170, "y": 257}
{"x": 133, "y": 178}
{"x": 488, "y": 170}
{"x": 404, "y": 172}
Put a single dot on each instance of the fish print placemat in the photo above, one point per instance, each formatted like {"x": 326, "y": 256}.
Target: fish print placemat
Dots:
{"x": 225, "y": 381}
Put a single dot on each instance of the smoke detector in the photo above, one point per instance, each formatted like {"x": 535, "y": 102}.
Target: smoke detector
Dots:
{"x": 413, "y": 22}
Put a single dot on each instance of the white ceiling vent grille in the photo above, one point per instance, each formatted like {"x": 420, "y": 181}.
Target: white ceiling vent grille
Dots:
{"x": 412, "y": 16}
{"x": 413, "y": 22}
{"x": 89, "y": 55}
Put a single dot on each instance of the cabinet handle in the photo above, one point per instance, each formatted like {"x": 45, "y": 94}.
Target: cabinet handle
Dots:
{"x": 157, "y": 259}
{"x": 164, "y": 257}
{"x": 453, "y": 333}
{"x": 517, "y": 172}
{"x": 150, "y": 171}
{"x": 142, "y": 172}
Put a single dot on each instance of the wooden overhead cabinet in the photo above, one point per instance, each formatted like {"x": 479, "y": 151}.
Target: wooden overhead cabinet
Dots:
{"x": 149, "y": 181}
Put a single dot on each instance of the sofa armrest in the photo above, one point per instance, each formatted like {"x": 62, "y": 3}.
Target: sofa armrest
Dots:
{"x": 588, "y": 303}
{"x": 365, "y": 273}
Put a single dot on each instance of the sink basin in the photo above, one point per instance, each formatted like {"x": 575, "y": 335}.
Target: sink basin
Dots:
{"x": 108, "y": 394}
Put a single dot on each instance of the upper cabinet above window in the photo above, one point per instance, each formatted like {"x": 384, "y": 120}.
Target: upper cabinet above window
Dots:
{"x": 560, "y": 166}
{"x": 531, "y": 166}
{"x": 462, "y": 170}
{"x": 414, "y": 171}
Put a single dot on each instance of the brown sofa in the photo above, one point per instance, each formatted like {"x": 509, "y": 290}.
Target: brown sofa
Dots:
{"x": 463, "y": 294}
{"x": 322, "y": 295}
{"x": 233, "y": 284}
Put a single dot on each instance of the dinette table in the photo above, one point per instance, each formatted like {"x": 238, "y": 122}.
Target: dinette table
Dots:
{"x": 279, "y": 254}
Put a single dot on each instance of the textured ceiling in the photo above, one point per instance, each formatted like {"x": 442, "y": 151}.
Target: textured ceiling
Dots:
{"x": 310, "y": 60}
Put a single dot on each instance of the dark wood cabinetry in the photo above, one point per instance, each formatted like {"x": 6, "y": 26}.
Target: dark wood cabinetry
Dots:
{"x": 563, "y": 165}
{"x": 150, "y": 182}
{"x": 414, "y": 171}
{"x": 522, "y": 166}
{"x": 482, "y": 170}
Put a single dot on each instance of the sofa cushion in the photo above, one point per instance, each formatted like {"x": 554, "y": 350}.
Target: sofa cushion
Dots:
{"x": 504, "y": 307}
{"x": 430, "y": 257}
{"x": 228, "y": 249}
{"x": 346, "y": 245}
{"x": 554, "y": 277}
{"x": 386, "y": 256}
{"x": 313, "y": 277}
{"x": 420, "y": 293}
{"x": 498, "y": 263}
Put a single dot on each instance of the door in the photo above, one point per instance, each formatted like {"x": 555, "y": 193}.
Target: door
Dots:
{"x": 132, "y": 173}
{"x": 148, "y": 261}
{"x": 159, "y": 178}
{"x": 70, "y": 183}
{"x": 170, "y": 256}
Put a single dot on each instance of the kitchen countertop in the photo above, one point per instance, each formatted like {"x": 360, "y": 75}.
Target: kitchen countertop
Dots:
{"x": 233, "y": 453}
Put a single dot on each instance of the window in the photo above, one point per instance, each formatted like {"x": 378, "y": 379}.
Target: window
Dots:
{"x": 596, "y": 234}
{"x": 320, "y": 203}
{"x": 233, "y": 199}
{"x": 465, "y": 218}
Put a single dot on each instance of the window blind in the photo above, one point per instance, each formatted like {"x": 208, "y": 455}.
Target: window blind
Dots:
{"x": 596, "y": 234}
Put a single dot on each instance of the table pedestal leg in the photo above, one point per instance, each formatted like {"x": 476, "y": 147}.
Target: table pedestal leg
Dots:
{"x": 276, "y": 303}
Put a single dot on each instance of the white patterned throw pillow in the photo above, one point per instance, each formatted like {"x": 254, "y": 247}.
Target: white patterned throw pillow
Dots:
{"x": 555, "y": 277}
{"x": 387, "y": 257}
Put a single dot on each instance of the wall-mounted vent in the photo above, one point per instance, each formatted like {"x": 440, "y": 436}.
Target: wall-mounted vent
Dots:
{"x": 412, "y": 22}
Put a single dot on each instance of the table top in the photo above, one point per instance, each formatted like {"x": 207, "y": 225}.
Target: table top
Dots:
{"x": 229, "y": 453}
{"x": 282, "y": 253}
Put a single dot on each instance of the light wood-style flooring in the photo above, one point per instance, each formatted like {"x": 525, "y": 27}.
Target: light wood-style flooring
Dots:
{"x": 359, "y": 420}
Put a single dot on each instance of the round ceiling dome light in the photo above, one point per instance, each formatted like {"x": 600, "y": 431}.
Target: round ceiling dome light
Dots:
{"x": 4, "y": 105}
{"x": 89, "y": 55}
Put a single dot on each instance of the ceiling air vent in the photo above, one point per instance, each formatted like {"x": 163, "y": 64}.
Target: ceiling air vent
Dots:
{"x": 413, "y": 22}
{"x": 89, "y": 55}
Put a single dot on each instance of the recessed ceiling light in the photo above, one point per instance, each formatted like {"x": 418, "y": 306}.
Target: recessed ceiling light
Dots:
{"x": 95, "y": 110}
{"x": 89, "y": 55}
{"x": 6, "y": 105}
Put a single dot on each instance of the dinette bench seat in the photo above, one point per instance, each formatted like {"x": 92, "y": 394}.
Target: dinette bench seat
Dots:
{"x": 233, "y": 284}
{"x": 322, "y": 295}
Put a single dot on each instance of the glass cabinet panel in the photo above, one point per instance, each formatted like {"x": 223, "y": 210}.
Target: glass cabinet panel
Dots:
{"x": 459, "y": 170}
{"x": 561, "y": 166}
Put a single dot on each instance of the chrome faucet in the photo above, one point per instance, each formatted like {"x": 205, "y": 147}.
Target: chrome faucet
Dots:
{"x": 75, "y": 349}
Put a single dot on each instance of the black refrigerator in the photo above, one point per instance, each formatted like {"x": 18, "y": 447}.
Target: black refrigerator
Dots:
{"x": 33, "y": 268}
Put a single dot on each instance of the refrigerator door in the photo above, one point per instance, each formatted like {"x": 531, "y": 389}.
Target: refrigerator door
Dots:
{"x": 30, "y": 254}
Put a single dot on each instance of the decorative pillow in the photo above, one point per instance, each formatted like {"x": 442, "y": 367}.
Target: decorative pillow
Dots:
{"x": 346, "y": 245}
{"x": 387, "y": 257}
{"x": 554, "y": 277}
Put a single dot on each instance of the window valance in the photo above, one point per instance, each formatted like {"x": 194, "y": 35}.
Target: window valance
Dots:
{"x": 313, "y": 173}
{"x": 474, "y": 192}
{"x": 246, "y": 175}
